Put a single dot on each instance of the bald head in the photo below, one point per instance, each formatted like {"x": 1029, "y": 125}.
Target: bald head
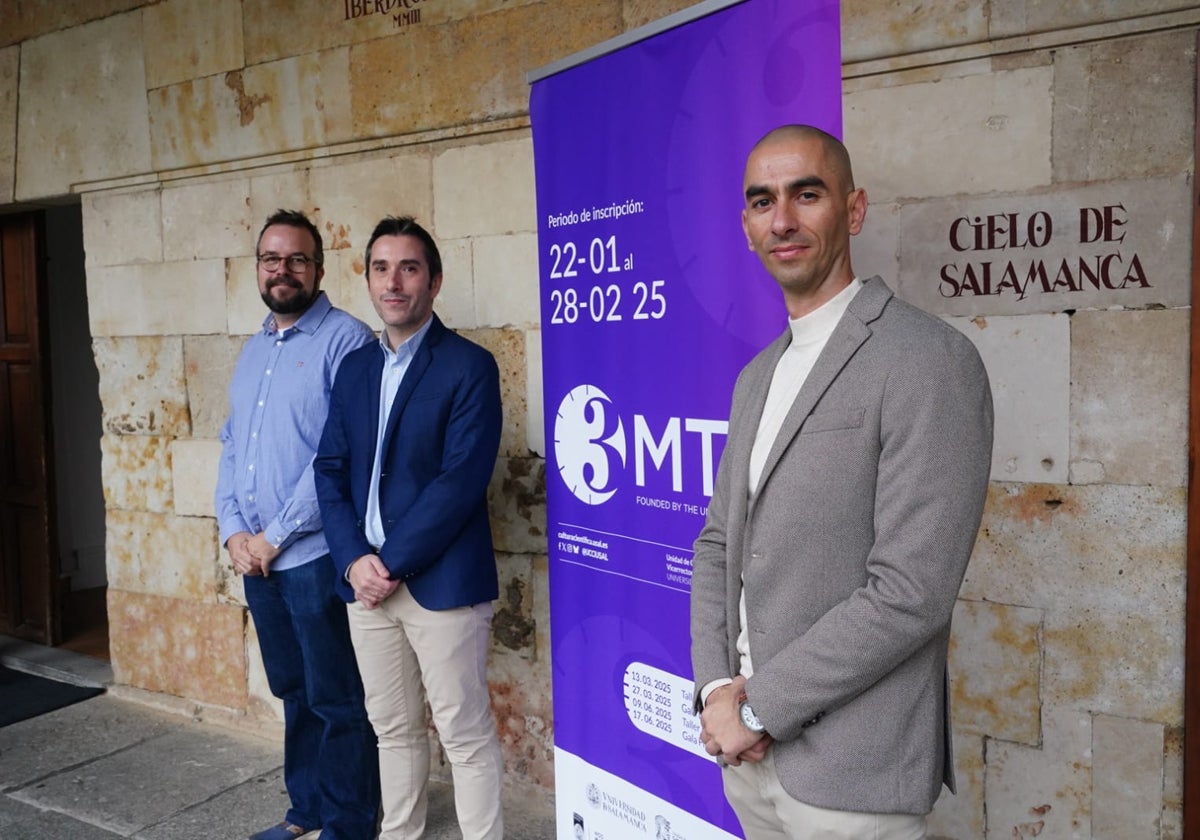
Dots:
{"x": 837, "y": 159}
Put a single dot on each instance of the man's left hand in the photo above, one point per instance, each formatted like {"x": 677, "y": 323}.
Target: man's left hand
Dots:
{"x": 722, "y": 731}
{"x": 262, "y": 551}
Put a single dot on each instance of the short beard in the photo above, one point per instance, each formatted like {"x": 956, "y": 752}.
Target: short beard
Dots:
{"x": 294, "y": 305}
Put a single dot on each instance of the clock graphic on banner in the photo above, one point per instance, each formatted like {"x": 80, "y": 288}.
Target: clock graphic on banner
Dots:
{"x": 588, "y": 435}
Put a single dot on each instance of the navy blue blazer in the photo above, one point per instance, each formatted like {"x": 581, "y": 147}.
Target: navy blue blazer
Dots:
{"x": 440, "y": 448}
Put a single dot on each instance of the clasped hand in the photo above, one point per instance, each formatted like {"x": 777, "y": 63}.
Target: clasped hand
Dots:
{"x": 722, "y": 731}
{"x": 369, "y": 578}
{"x": 251, "y": 554}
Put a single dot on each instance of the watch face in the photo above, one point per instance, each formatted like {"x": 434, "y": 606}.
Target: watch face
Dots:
{"x": 750, "y": 719}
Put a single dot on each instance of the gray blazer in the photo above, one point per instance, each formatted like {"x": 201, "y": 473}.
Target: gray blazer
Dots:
{"x": 852, "y": 554}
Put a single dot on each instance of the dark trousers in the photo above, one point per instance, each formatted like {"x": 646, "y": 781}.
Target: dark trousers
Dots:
{"x": 330, "y": 761}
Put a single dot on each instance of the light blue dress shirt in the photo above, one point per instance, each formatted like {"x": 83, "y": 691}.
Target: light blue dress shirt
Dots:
{"x": 278, "y": 402}
{"x": 395, "y": 365}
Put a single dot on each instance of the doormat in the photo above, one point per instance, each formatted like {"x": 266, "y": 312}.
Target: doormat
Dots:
{"x": 23, "y": 696}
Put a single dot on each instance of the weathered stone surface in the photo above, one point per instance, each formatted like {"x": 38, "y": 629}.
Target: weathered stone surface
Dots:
{"x": 351, "y": 197}
{"x": 1132, "y": 125}
{"x": 176, "y": 298}
{"x": 336, "y": 24}
{"x": 1000, "y": 123}
{"x": 208, "y": 364}
{"x": 506, "y": 280}
{"x": 244, "y": 307}
{"x": 879, "y": 28}
{"x": 210, "y": 219}
{"x": 396, "y": 91}
{"x": 82, "y": 107}
{"x": 190, "y": 40}
{"x": 142, "y": 386}
{"x": 462, "y": 209}
{"x": 995, "y": 663}
{"x": 181, "y": 647}
{"x": 31, "y": 18}
{"x": 159, "y": 554}
{"x": 1028, "y": 360}
{"x": 194, "y": 476}
{"x": 517, "y": 502}
{"x": 535, "y": 429}
{"x": 508, "y": 346}
{"x": 297, "y": 103}
{"x": 960, "y": 816}
{"x": 513, "y": 626}
{"x": 455, "y": 302}
{"x": 1029, "y": 16}
{"x": 259, "y": 700}
{"x": 1172, "y": 805}
{"x": 137, "y": 472}
{"x": 1105, "y": 565}
{"x": 347, "y": 287}
{"x": 1046, "y": 258}
{"x": 1123, "y": 365}
{"x": 1044, "y": 793}
{"x": 635, "y": 13}
{"x": 285, "y": 187}
{"x": 1127, "y": 778}
{"x": 10, "y": 62}
{"x": 121, "y": 228}
{"x": 876, "y": 250}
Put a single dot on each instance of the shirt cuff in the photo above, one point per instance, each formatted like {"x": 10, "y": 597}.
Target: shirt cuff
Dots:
{"x": 710, "y": 688}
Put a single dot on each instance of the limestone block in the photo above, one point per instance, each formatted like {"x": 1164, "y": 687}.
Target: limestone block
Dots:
{"x": 1172, "y": 814}
{"x": 876, "y": 250}
{"x": 1118, "y": 244}
{"x": 259, "y": 700}
{"x": 347, "y": 286}
{"x": 350, "y": 22}
{"x": 1129, "y": 365}
{"x": 1000, "y": 125}
{"x": 83, "y": 107}
{"x": 507, "y": 205}
{"x": 208, "y": 363}
{"x": 517, "y": 503}
{"x": 455, "y": 303}
{"x": 191, "y": 40}
{"x": 995, "y": 664}
{"x": 881, "y": 28}
{"x": 297, "y": 103}
{"x": 1133, "y": 125}
{"x": 141, "y": 386}
{"x": 175, "y": 298}
{"x": 1105, "y": 564}
{"x": 535, "y": 429}
{"x": 181, "y": 647}
{"x": 508, "y": 346}
{"x": 22, "y": 21}
{"x": 137, "y": 472}
{"x": 635, "y": 13}
{"x": 282, "y": 188}
{"x": 541, "y": 606}
{"x": 1044, "y": 793}
{"x": 961, "y": 815}
{"x": 351, "y": 198}
{"x": 160, "y": 554}
{"x": 506, "y": 280}
{"x": 396, "y": 90}
{"x": 1030, "y": 16}
{"x": 122, "y": 228}
{"x": 208, "y": 220}
{"x": 244, "y": 307}
{"x": 1028, "y": 360}
{"x": 1127, "y": 778}
{"x": 10, "y": 62}
{"x": 194, "y": 466}
{"x": 513, "y": 626}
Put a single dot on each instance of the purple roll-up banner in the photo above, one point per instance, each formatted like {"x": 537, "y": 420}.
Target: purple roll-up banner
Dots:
{"x": 651, "y": 304}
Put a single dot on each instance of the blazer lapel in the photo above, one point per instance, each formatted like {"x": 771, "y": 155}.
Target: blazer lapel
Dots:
{"x": 850, "y": 333}
{"x": 412, "y": 376}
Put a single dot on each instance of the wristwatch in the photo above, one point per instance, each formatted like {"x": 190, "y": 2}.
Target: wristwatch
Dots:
{"x": 748, "y": 717}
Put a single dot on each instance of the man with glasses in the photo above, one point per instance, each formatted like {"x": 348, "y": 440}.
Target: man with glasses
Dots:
{"x": 271, "y": 525}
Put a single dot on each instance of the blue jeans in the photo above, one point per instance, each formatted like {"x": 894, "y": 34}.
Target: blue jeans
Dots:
{"x": 330, "y": 761}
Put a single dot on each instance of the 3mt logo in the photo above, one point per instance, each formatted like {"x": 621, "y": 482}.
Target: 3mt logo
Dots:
{"x": 588, "y": 435}
{"x": 591, "y": 448}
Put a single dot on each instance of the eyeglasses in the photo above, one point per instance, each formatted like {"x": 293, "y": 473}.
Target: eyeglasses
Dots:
{"x": 296, "y": 262}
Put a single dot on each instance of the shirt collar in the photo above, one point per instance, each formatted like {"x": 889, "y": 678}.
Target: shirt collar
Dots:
{"x": 408, "y": 348}
{"x": 818, "y": 324}
{"x": 308, "y": 322}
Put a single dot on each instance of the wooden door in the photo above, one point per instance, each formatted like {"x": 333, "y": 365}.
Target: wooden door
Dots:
{"x": 28, "y": 557}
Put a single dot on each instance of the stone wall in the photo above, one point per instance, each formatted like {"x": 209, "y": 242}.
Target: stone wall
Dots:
{"x": 181, "y": 125}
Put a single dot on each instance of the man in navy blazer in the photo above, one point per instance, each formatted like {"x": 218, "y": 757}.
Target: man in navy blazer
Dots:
{"x": 402, "y": 472}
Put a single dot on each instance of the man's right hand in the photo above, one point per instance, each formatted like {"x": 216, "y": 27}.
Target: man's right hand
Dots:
{"x": 369, "y": 578}
{"x": 238, "y": 546}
